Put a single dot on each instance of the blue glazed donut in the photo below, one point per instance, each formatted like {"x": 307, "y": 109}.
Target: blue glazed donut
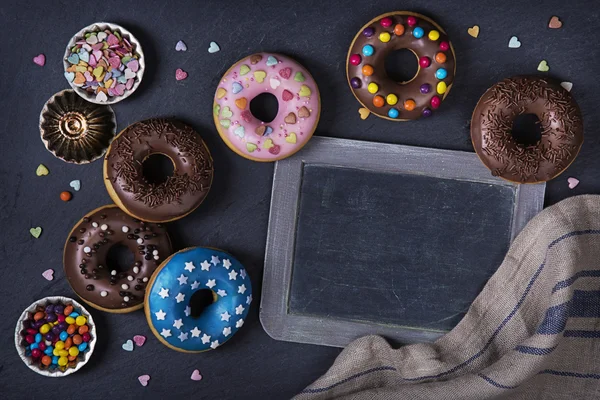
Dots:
{"x": 171, "y": 287}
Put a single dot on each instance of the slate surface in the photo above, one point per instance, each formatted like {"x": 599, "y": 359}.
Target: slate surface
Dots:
{"x": 234, "y": 217}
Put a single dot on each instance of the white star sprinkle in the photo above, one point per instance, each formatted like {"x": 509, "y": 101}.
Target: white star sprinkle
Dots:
{"x": 214, "y": 344}
{"x": 195, "y": 332}
{"x": 189, "y": 266}
{"x": 239, "y": 323}
{"x": 166, "y": 333}
{"x": 243, "y": 273}
{"x": 205, "y": 338}
{"x": 182, "y": 279}
{"x": 178, "y": 323}
{"x": 211, "y": 283}
{"x": 225, "y": 316}
{"x": 183, "y": 336}
{"x": 248, "y": 299}
{"x": 215, "y": 260}
{"x": 164, "y": 293}
{"x": 187, "y": 311}
{"x": 226, "y": 331}
{"x": 160, "y": 315}
{"x": 232, "y": 275}
{"x": 205, "y": 266}
{"x": 242, "y": 289}
{"x": 239, "y": 309}
{"x": 195, "y": 284}
{"x": 221, "y": 293}
{"x": 226, "y": 263}
{"x": 180, "y": 297}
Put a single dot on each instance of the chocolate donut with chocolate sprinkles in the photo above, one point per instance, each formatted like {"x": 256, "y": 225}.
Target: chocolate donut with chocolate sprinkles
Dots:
{"x": 560, "y": 125}
{"x": 180, "y": 193}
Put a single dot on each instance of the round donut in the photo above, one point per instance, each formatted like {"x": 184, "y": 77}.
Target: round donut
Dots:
{"x": 560, "y": 122}
{"x": 172, "y": 199}
{"x": 401, "y": 101}
{"x": 210, "y": 273}
{"x": 297, "y": 117}
{"x": 85, "y": 258}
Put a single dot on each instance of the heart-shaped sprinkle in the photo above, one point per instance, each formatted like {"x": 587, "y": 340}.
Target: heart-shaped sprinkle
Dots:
{"x": 48, "y": 274}
{"x": 84, "y": 56}
{"x": 180, "y": 46}
{"x": 128, "y": 345}
{"x": 40, "y": 60}
{"x": 221, "y": 93}
{"x": 89, "y": 77}
{"x": 76, "y": 185}
{"x": 543, "y": 66}
{"x": 290, "y": 118}
{"x": 240, "y": 131}
{"x": 268, "y": 131}
{"x": 133, "y": 65}
{"x": 555, "y": 23}
{"x": 129, "y": 84}
{"x": 271, "y": 61}
{"x": 36, "y": 232}
{"x": 101, "y": 36}
{"x": 303, "y": 112}
{"x": 236, "y": 87}
{"x": 92, "y": 39}
{"x": 114, "y": 62}
{"x": 139, "y": 340}
{"x": 298, "y": 77}
{"x": 98, "y": 56}
{"x": 285, "y": 73}
{"x": 179, "y": 74}
{"x": 244, "y": 69}
{"x": 246, "y": 116}
{"x": 216, "y": 109}
{"x": 241, "y": 103}
{"x": 274, "y": 83}
{"x": 226, "y": 113}
{"x": 573, "y": 182}
{"x": 286, "y": 95}
{"x": 260, "y": 76}
{"x": 119, "y": 89}
{"x": 567, "y": 86}
{"x": 275, "y": 149}
{"x": 514, "y": 43}
{"x": 255, "y": 59}
{"x": 41, "y": 170}
{"x": 70, "y": 76}
{"x": 196, "y": 376}
{"x": 473, "y": 31}
{"x": 304, "y": 91}
{"x": 268, "y": 144}
{"x": 79, "y": 78}
{"x": 213, "y": 47}
{"x": 98, "y": 72}
{"x": 111, "y": 39}
{"x": 250, "y": 147}
{"x": 73, "y": 58}
{"x": 225, "y": 123}
{"x": 291, "y": 138}
{"x": 130, "y": 74}
{"x": 101, "y": 96}
{"x": 260, "y": 130}
{"x": 364, "y": 113}
{"x": 144, "y": 379}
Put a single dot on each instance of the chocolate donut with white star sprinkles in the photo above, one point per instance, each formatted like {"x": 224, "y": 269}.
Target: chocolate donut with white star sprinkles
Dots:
{"x": 560, "y": 125}
{"x": 198, "y": 299}
{"x": 88, "y": 260}
{"x": 167, "y": 199}
{"x": 369, "y": 81}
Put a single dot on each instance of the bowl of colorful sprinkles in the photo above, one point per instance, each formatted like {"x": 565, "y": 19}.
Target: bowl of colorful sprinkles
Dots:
{"x": 55, "y": 336}
{"x": 104, "y": 63}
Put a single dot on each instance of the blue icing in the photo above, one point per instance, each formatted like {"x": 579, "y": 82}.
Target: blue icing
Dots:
{"x": 174, "y": 285}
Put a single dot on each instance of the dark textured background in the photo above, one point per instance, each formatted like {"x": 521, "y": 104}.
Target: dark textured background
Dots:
{"x": 234, "y": 217}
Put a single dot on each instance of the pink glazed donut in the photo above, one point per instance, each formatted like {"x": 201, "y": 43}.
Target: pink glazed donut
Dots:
{"x": 298, "y": 99}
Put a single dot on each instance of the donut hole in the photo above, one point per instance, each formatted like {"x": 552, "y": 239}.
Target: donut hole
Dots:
{"x": 119, "y": 258}
{"x": 157, "y": 168}
{"x": 526, "y": 129}
{"x": 200, "y": 300}
{"x": 401, "y": 65}
{"x": 264, "y": 107}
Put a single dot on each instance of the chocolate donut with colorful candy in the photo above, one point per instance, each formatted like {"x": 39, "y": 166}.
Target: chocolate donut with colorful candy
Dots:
{"x": 198, "y": 299}
{"x": 87, "y": 259}
{"x": 401, "y": 101}
{"x": 299, "y": 107}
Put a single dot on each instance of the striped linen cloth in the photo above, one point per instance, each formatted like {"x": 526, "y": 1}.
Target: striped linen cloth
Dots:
{"x": 532, "y": 333}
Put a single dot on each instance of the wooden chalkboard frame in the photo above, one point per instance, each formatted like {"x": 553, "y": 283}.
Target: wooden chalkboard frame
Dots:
{"x": 281, "y": 236}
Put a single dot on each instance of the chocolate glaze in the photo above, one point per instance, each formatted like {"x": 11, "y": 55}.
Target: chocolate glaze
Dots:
{"x": 561, "y": 126}
{"x": 95, "y": 276}
{"x": 182, "y": 192}
{"x": 407, "y": 90}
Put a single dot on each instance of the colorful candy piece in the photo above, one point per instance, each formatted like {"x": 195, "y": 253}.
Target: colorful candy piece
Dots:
{"x": 368, "y": 50}
{"x": 418, "y": 32}
{"x": 355, "y": 59}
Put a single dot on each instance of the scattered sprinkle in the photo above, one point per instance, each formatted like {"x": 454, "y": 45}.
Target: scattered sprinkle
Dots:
{"x": 514, "y": 43}
{"x": 36, "y": 232}
{"x": 41, "y": 170}
{"x": 48, "y": 274}
{"x": 76, "y": 185}
{"x": 573, "y": 182}
{"x": 364, "y": 113}
{"x": 40, "y": 60}
{"x": 180, "y": 46}
{"x": 144, "y": 379}
{"x": 196, "y": 375}
{"x": 567, "y": 86}
{"x": 139, "y": 340}
{"x": 180, "y": 74}
{"x": 66, "y": 196}
{"x": 213, "y": 48}
{"x": 128, "y": 346}
{"x": 474, "y": 31}
{"x": 543, "y": 66}
{"x": 555, "y": 23}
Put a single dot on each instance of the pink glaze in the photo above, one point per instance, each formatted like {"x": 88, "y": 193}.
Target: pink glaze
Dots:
{"x": 238, "y": 127}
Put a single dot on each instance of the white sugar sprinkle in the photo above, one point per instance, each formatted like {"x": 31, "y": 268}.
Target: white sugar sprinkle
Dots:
{"x": 126, "y": 299}
{"x": 130, "y": 278}
{"x": 104, "y": 227}
{"x": 145, "y": 279}
{"x": 155, "y": 252}
{"x": 136, "y": 270}
{"x": 113, "y": 272}
{"x": 95, "y": 224}
{"x": 156, "y": 257}
{"x": 104, "y": 293}
{"x": 140, "y": 241}
{"x": 124, "y": 286}
{"x": 125, "y": 229}
{"x": 87, "y": 249}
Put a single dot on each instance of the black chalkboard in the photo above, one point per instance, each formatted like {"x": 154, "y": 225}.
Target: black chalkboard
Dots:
{"x": 394, "y": 248}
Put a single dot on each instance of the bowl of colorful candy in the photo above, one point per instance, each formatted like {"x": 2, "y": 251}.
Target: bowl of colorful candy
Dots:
{"x": 104, "y": 63}
{"x": 55, "y": 336}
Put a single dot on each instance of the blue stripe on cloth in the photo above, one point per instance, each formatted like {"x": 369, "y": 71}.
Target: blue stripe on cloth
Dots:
{"x": 494, "y": 383}
{"x": 581, "y": 274}
{"x": 582, "y": 334}
{"x": 358, "y": 375}
{"x": 536, "y": 351}
{"x": 555, "y": 319}
{"x": 586, "y": 304}
{"x": 570, "y": 374}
